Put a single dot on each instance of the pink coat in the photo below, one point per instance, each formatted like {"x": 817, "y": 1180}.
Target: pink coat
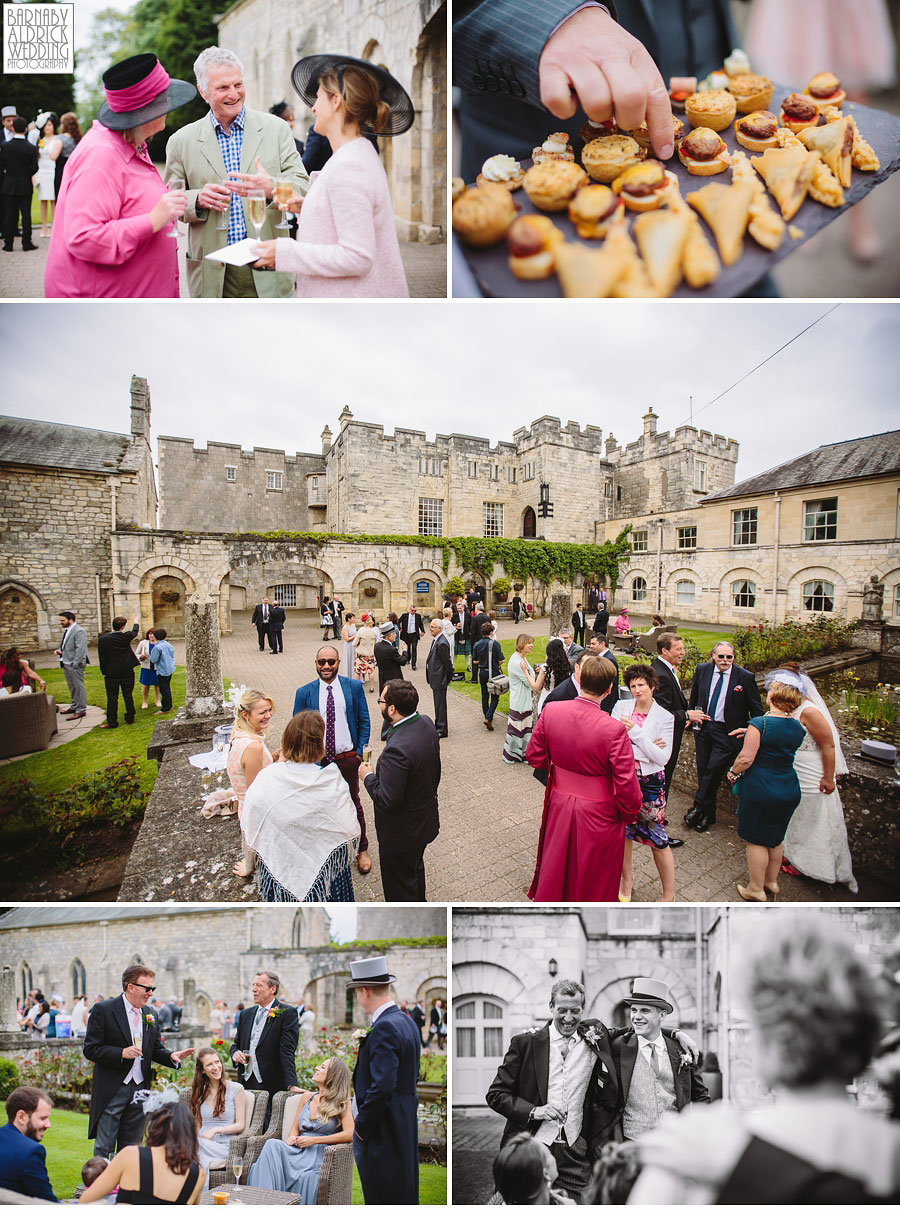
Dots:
{"x": 346, "y": 244}
{"x": 103, "y": 244}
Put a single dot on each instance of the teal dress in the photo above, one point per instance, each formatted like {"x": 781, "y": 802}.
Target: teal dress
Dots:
{"x": 769, "y": 789}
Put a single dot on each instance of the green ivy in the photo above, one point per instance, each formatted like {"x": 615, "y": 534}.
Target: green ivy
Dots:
{"x": 519, "y": 557}
{"x": 384, "y": 943}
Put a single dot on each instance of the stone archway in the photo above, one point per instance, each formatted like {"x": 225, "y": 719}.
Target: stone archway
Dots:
{"x": 429, "y": 96}
{"x": 375, "y": 53}
{"x": 422, "y": 597}
{"x": 18, "y": 618}
{"x": 371, "y": 590}
{"x": 169, "y": 594}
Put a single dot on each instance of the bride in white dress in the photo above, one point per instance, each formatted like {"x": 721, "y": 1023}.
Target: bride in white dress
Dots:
{"x": 815, "y": 843}
{"x": 218, "y": 1108}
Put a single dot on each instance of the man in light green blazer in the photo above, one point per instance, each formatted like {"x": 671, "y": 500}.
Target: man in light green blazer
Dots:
{"x": 230, "y": 139}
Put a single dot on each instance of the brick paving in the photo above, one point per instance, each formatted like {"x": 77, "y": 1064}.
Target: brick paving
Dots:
{"x": 476, "y": 1141}
{"x": 22, "y": 273}
{"x": 490, "y": 811}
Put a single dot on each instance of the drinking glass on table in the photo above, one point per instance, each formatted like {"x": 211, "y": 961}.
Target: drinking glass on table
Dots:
{"x": 222, "y": 224}
{"x": 206, "y": 782}
{"x": 256, "y": 209}
{"x": 238, "y": 1167}
{"x": 176, "y": 185}
{"x": 284, "y": 191}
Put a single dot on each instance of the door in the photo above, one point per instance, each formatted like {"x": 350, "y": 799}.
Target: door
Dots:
{"x": 479, "y": 1037}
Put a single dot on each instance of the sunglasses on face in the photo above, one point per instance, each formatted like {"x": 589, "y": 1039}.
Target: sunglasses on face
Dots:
{"x": 144, "y": 988}
{"x": 330, "y": 662}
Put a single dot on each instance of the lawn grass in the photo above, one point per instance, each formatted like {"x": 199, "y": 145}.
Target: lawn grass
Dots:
{"x": 55, "y": 769}
{"x": 68, "y": 1148}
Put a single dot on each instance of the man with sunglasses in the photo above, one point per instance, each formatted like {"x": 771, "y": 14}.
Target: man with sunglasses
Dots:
{"x": 728, "y": 697}
{"x": 123, "y": 1042}
{"x": 341, "y": 701}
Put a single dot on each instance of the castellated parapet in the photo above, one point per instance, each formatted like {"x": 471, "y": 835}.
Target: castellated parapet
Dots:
{"x": 222, "y": 487}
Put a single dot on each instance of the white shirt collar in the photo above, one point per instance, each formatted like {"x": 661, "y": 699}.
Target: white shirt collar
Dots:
{"x": 380, "y": 1010}
{"x": 670, "y": 666}
{"x": 269, "y": 1006}
{"x": 557, "y": 1037}
{"x": 658, "y": 1043}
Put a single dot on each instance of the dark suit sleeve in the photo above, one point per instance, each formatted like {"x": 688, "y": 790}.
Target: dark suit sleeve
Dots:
{"x": 34, "y": 1176}
{"x": 503, "y": 1094}
{"x": 387, "y": 785}
{"x": 298, "y": 702}
{"x": 287, "y": 1051}
{"x": 101, "y": 653}
{"x": 384, "y": 1064}
{"x": 694, "y": 703}
{"x": 665, "y": 696}
{"x": 755, "y": 707}
{"x": 95, "y": 1049}
{"x": 699, "y": 1092}
{"x": 161, "y": 1053}
{"x": 446, "y": 659}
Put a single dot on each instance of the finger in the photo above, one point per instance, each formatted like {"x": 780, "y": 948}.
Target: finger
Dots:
{"x": 592, "y": 91}
{"x": 659, "y": 107}
{"x": 556, "y": 94}
{"x": 628, "y": 91}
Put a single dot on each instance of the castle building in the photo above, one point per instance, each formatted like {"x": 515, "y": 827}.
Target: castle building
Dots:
{"x": 71, "y": 950}
{"x": 406, "y": 37}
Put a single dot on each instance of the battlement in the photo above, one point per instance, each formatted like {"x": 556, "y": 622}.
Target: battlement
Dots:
{"x": 550, "y": 429}
{"x": 213, "y": 449}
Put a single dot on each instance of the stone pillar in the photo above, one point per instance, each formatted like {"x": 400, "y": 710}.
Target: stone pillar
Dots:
{"x": 189, "y": 1013}
{"x": 8, "y": 1020}
{"x": 560, "y": 612}
{"x": 203, "y": 694}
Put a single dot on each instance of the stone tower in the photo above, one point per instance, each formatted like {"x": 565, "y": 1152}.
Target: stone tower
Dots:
{"x": 419, "y": 922}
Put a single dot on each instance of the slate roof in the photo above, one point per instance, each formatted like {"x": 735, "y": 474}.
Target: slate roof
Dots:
{"x": 74, "y": 914}
{"x": 860, "y": 458}
{"x": 38, "y": 443}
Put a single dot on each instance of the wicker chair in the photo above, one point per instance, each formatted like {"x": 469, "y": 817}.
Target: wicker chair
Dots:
{"x": 336, "y": 1175}
{"x": 27, "y": 723}
{"x": 222, "y": 1173}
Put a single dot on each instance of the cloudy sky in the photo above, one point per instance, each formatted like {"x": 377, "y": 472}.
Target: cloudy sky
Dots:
{"x": 273, "y": 374}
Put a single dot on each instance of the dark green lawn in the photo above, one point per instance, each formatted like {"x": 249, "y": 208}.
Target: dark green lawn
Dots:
{"x": 68, "y": 1148}
{"x": 57, "y": 768}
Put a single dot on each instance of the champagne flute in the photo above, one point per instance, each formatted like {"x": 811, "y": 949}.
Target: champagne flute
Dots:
{"x": 238, "y": 1167}
{"x": 284, "y": 191}
{"x": 206, "y": 783}
{"x": 222, "y": 224}
{"x": 256, "y": 209}
{"x": 176, "y": 185}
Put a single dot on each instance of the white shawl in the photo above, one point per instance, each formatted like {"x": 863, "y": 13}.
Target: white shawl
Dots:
{"x": 298, "y": 818}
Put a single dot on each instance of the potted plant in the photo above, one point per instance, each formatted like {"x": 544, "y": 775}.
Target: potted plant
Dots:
{"x": 502, "y": 586}
{"x": 455, "y": 587}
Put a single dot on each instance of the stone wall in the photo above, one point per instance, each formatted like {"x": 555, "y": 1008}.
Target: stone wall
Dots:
{"x": 408, "y": 37}
{"x": 197, "y": 494}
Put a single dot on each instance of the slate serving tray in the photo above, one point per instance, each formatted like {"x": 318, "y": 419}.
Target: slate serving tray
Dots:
{"x": 880, "y": 129}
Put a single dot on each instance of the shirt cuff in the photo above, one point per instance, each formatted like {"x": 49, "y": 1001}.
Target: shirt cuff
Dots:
{"x": 588, "y": 4}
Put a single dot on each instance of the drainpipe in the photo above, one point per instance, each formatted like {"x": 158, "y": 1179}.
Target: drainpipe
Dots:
{"x": 725, "y": 1007}
{"x": 777, "y": 500}
{"x": 99, "y": 610}
{"x": 112, "y": 503}
{"x": 659, "y": 568}
{"x": 698, "y": 946}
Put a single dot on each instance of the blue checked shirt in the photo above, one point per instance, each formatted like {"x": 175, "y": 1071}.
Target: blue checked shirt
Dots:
{"x": 231, "y": 145}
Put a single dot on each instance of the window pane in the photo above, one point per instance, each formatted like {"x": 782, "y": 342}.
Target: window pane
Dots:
{"x": 639, "y": 540}
{"x": 820, "y": 520}
{"x": 639, "y": 589}
{"x": 493, "y": 1040}
{"x": 492, "y": 517}
{"x": 687, "y": 537}
{"x": 285, "y": 594}
{"x": 465, "y": 1042}
{"x": 492, "y": 1011}
{"x": 818, "y": 595}
{"x": 466, "y": 1011}
{"x": 431, "y": 515}
{"x": 685, "y": 592}
{"x": 744, "y": 593}
{"x": 744, "y": 526}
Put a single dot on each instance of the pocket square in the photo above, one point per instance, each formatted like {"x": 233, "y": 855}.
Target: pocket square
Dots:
{"x": 739, "y": 689}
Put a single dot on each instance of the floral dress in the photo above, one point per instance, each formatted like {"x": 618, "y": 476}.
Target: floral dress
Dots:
{"x": 650, "y": 826}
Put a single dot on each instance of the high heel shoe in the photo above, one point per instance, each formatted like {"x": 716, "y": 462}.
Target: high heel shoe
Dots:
{"x": 751, "y": 895}
{"x": 773, "y": 888}
{"x": 624, "y": 899}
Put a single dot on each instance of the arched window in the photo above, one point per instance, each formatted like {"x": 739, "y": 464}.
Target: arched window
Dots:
{"x": 26, "y": 981}
{"x": 529, "y": 523}
{"x": 639, "y": 589}
{"x": 743, "y": 594}
{"x": 297, "y": 931}
{"x": 685, "y": 592}
{"x": 78, "y": 978}
{"x": 818, "y": 596}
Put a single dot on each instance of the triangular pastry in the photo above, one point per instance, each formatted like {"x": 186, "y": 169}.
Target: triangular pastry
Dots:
{"x": 726, "y": 209}
{"x": 863, "y": 155}
{"x": 834, "y": 143}
{"x": 661, "y": 236}
{"x": 787, "y": 172}
{"x": 591, "y": 273}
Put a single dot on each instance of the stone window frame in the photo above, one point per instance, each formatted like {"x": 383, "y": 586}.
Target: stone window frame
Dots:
{"x": 817, "y": 517}
{"x": 510, "y": 475}
{"x": 431, "y": 466}
{"x": 282, "y": 595}
{"x": 607, "y": 488}
{"x": 640, "y": 540}
{"x": 528, "y": 471}
{"x": 494, "y": 473}
{"x": 642, "y": 921}
{"x": 701, "y": 478}
{"x": 431, "y": 514}
{"x": 745, "y": 527}
{"x": 686, "y": 538}
{"x": 747, "y": 589}
{"x": 472, "y": 468}
{"x": 491, "y": 519}
{"x": 230, "y": 474}
{"x": 815, "y": 590}
{"x": 897, "y": 599}
{"x": 636, "y": 593}
{"x": 618, "y": 493}
{"x": 680, "y": 599}
{"x": 274, "y": 480}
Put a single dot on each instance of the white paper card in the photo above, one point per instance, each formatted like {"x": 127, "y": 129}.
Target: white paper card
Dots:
{"x": 240, "y": 253}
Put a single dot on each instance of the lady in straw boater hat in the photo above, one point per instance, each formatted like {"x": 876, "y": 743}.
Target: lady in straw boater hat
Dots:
{"x": 114, "y": 214}
{"x": 346, "y": 244}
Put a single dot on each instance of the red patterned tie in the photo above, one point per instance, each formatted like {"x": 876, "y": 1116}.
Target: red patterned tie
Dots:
{"x": 330, "y": 747}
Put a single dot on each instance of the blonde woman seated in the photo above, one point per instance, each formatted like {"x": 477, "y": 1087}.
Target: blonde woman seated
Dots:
{"x": 247, "y": 755}
{"x": 300, "y": 820}
{"x": 218, "y": 1108}
{"x": 324, "y": 1117}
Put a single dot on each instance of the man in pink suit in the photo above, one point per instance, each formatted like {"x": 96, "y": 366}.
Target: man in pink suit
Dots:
{"x": 593, "y": 792}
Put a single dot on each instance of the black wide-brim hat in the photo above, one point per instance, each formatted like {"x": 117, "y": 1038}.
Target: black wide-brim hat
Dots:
{"x": 306, "y": 74}
{"x": 130, "y": 74}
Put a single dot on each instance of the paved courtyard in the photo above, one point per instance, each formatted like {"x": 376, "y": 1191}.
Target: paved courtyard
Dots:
{"x": 490, "y": 811}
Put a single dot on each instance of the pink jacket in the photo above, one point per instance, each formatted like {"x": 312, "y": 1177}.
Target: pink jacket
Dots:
{"x": 346, "y": 244}
{"x": 103, "y": 244}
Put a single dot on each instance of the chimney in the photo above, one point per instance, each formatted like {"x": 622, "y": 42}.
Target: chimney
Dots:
{"x": 649, "y": 419}
{"x": 326, "y": 440}
{"x": 345, "y": 417}
{"x": 611, "y": 444}
{"x": 140, "y": 408}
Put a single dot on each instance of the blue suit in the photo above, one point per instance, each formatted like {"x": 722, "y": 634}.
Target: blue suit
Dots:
{"x": 307, "y": 699}
{"x": 23, "y": 1165}
{"x": 386, "y": 1134}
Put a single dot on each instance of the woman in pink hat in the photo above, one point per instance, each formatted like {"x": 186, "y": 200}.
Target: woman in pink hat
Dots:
{"x": 114, "y": 216}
